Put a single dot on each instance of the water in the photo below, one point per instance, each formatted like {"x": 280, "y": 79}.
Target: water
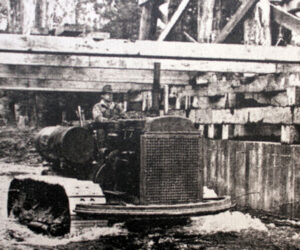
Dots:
{"x": 228, "y": 230}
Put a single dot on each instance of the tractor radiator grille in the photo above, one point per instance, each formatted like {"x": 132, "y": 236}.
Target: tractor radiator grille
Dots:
{"x": 170, "y": 168}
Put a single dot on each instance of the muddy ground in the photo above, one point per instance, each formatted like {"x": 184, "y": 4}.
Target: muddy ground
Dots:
{"x": 229, "y": 230}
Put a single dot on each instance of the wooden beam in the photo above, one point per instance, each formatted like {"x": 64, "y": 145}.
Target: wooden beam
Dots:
{"x": 286, "y": 19}
{"x": 72, "y": 86}
{"x": 261, "y": 84}
{"x": 148, "y": 49}
{"x": 234, "y": 20}
{"x": 139, "y": 63}
{"x": 148, "y": 20}
{"x": 69, "y": 30}
{"x": 268, "y": 115}
{"x": 91, "y": 74}
{"x": 189, "y": 37}
{"x": 141, "y": 2}
{"x": 174, "y": 20}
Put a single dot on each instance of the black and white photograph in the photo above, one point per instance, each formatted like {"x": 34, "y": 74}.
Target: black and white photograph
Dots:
{"x": 149, "y": 124}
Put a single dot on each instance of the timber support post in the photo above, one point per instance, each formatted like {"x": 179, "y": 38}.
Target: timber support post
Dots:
{"x": 148, "y": 20}
{"x": 156, "y": 88}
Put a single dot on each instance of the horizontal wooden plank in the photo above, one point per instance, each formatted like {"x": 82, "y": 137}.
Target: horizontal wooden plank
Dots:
{"x": 135, "y": 63}
{"x": 22, "y": 84}
{"x": 267, "y": 115}
{"x": 228, "y": 100}
{"x": 92, "y": 74}
{"x": 260, "y": 84}
{"x": 271, "y": 115}
{"x": 152, "y": 49}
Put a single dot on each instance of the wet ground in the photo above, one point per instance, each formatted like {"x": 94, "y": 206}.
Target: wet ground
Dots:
{"x": 228, "y": 230}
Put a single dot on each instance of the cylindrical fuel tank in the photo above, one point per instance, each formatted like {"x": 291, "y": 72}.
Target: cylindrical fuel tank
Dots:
{"x": 73, "y": 144}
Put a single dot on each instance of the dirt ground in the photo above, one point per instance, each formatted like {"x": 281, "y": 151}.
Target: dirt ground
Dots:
{"x": 17, "y": 146}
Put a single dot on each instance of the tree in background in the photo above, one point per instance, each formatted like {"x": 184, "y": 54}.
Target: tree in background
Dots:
{"x": 124, "y": 18}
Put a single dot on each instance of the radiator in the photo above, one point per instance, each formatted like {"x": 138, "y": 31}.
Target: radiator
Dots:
{"x": 170, "y": 172}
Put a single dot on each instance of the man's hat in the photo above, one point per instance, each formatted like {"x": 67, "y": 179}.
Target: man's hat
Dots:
{"x": 107, "y": 89}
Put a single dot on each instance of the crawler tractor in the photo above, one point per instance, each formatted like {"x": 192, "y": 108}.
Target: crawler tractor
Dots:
{"x": 123, "y": 170}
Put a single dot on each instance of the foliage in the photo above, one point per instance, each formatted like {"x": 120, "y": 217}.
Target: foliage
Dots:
{"x": 124, "y": 17}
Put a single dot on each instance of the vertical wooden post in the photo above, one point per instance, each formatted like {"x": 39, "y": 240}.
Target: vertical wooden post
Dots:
{"x": 227, "y": 131}
{"x": 289, "y": 134}
{"x": 156, "y": 88}
{"x": 125, "y": 102}
{"x": 186, "y": 103}
{"x": 21, "y": 16}
{"x": 212, "y": 131}
{"x": 148, "y": 20}
{"x": 41, "y": 20}
{"x": 257, "y": 28}
{"x": 149, "y": 100}
{"x": 293, "y": 95}
{"x": 35, "y": 111}
{"x": 166, "y": 99}
{"x": 202, "y": 129}
{"x": 178, "y": 101}
{"x": 144, "y": 101}
{"x": 239, "y": 130}
{"x": 205, "y": 20}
